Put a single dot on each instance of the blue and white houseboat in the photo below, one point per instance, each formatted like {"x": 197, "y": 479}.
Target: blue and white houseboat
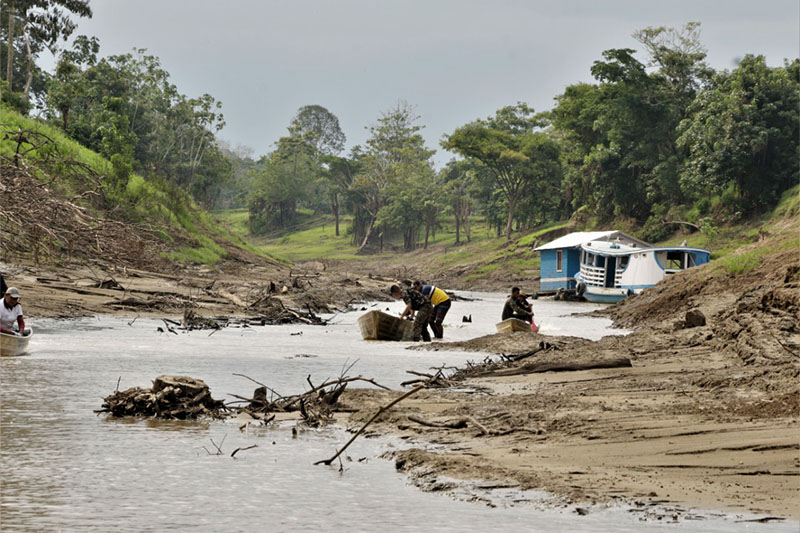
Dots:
{"x": 609, "y": 266}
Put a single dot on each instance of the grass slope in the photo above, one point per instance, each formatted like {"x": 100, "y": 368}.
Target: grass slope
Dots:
{"x": 488, "y": 259}
{"x": 189, "y": 233}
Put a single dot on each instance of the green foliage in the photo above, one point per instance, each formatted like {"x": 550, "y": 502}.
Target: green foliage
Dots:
{"x": 524, "y": 163}
{"x": 789, "y": 205}
{"x": 167, "y": 210}
{"x": 742, "y": 263}
{"x": 742, "y": 136}
{"x": 14, "y": 100}
{"x": 395, "y": 170}
{"x": 126, "y": 105}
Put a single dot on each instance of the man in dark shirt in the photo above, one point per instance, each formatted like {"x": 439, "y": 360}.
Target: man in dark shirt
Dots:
{"x": 517, "y": 307}
{"x": 418, "y": 307}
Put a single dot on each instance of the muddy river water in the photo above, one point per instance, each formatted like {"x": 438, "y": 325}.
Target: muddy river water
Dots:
{"x": 66, "y": 469}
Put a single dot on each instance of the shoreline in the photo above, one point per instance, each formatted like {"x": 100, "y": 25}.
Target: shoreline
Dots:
{"x": 687, "y": 424}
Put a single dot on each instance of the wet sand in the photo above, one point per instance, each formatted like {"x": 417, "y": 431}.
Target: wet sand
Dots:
{"x": 704, "y": 418}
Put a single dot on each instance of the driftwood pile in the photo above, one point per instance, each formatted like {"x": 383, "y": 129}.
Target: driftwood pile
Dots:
{"x": 316, "y": 406}
{"x": 183, "y": 397}
{"x": 171, "y": 397}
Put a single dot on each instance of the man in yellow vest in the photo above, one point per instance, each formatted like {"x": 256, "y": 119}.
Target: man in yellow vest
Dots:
{"x": 441, "y": 305}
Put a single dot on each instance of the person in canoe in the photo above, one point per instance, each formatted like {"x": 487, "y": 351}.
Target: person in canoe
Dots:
{"x": 418, "y": 307}
{"x": 517, "y": 307}
{"x": 10, "y": 312}
{"x": 441, "y": 305}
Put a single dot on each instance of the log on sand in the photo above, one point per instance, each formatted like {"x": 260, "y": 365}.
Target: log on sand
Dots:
{"x": 548, "y": 366}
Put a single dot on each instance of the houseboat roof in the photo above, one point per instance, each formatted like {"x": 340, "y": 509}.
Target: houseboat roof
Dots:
{"x": 578, "y": 238}
{"x": 614, "y": 248}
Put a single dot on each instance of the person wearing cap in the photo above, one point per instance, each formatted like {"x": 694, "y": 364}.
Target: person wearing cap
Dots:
{"x": 517, "y": 307}
{"x": 11, "y": 311}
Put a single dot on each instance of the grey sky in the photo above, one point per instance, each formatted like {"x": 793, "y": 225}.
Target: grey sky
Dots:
{"x": 455, "y": 60}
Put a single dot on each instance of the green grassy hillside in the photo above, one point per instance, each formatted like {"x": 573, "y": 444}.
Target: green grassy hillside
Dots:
{"x": 488, "y": 259}
{"x": 187, "y": 232}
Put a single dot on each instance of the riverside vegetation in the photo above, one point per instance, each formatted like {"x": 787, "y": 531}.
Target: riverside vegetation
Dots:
{"x": 117, "y": 221}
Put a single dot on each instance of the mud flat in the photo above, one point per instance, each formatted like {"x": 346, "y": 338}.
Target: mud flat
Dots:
{"x": 705, "y": 416}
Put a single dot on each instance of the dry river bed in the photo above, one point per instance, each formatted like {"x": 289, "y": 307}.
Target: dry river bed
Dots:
{"x": 684, "y": 427}
{"x": 664, "y": 433}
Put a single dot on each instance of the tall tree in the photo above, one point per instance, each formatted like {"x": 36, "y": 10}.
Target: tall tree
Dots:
{"x": 510, "y": 148}
{"x": 458, "y": 184}
{"x": 743, "y": 134}
{"x": 320, "y": 128}
{"x": 340, "y": 173}
{"x": 42, "y": 24}
{"x": 395, "y": 156}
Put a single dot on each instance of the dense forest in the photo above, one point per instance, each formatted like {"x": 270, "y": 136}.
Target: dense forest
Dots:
{"x": 648, "y": 143}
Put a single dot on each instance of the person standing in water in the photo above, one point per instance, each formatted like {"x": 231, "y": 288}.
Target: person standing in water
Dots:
{"x": 441, "y": 305}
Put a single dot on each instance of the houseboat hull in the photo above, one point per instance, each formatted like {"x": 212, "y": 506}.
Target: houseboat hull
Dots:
{"x": 380, "y": 326}
{"x": 605, "y": 295}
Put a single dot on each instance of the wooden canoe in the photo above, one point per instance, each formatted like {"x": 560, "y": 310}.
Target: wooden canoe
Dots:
{"x": 513, "y": 324}
{"x": 13, "y": 345}
{"x": 380, "y": 326}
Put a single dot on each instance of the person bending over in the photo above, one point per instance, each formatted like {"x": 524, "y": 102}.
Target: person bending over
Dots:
{"x": 418, "y": 307}
{"x": 441, "y": 305}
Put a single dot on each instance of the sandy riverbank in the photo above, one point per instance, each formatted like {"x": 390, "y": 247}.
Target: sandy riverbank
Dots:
{"x": 705, "y": 416}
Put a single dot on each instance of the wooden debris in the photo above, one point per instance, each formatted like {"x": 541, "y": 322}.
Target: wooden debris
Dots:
{"x": 360, "y": 431}
{"x": 178, "y": 397}
{"x": 531, "y": 368}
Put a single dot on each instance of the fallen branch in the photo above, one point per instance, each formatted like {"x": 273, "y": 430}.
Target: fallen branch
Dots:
{"x": 243, "y": 449}
{"x": 533, "y": 368}
{"x": 376, "y": 415}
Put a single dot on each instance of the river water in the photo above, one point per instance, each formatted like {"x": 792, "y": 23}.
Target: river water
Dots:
{"x": 65, "y": 468}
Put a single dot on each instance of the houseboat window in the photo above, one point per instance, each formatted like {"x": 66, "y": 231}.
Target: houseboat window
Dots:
{"x": 675, "y": 260}
{"x": 559, "y": 260}
{"x": 623, "y": 262}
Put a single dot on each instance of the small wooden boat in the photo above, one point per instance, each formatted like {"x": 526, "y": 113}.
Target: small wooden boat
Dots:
{"x": 510, "y": 325}
{"x": 12, "y": 345}
{"x": 380, "y": 326}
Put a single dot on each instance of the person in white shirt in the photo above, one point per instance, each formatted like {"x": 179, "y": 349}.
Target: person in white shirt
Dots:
{"x": 10, "y": 312}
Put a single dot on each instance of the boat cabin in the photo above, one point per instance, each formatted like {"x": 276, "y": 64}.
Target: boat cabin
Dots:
{"x": 561, "y": 258}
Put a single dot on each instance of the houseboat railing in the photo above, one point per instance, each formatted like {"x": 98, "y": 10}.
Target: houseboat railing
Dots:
{"x": 597, "y": 276}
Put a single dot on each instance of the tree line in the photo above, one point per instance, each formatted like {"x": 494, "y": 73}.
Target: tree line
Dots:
{"x": 647, "y": 142}
{"x": 122, "y": 106}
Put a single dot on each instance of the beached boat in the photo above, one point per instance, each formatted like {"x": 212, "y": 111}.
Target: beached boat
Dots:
{"x": 13, "y": 345}
{"x": 510, "y": 325}
{"x": 611, "y": 271}
{"x": 380, "y": 326}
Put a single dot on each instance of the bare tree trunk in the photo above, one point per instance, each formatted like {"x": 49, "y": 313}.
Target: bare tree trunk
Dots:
{"x": 510, "y": 222}
{"x": 335, "y": 209}
{"x": 367, "y": 233}
{"x": 28, "y": 63}
{"x": 458, "y": 229}
{"x": 10, "y": 44}
{"x": 427, "y": 232}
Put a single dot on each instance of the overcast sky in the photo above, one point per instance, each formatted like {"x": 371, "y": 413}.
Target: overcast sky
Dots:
{"x": 455, "y": 60}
